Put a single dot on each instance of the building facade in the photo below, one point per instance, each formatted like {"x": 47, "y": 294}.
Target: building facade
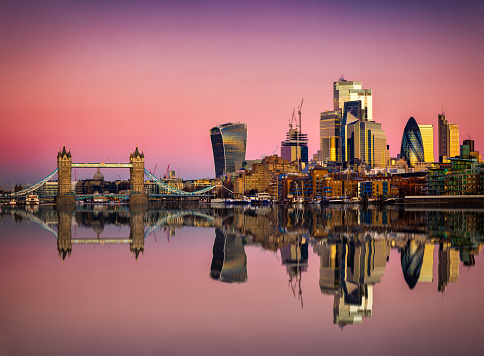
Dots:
{"x": 366, "y": 142}
{"x": 448, "y": 139}
{"x": 229, "y": 142}
{"x": 427, "y": 133}
{"x": 412, "y": 148}
{"x": 295, "y": 147}
{"x": 344, "y": 90}
{"x": 329, "y": 137}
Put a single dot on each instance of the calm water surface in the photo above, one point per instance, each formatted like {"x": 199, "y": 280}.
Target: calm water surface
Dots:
{"x": 109, "y": 280}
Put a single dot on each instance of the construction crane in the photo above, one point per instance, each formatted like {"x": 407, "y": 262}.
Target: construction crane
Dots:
{"x": 293, "y": 118}
{"x": 275, "y": 150}
{"x": 154, "y": 170}
{"x": 167, "y": 171}
{"x": 298, "y": 134}
{"x": 299, "y": 112}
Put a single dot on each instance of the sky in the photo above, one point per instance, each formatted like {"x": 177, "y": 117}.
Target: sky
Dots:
{"x": 104, "y": 76}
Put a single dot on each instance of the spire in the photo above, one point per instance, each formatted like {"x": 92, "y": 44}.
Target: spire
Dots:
{"x": 64, "y": 153}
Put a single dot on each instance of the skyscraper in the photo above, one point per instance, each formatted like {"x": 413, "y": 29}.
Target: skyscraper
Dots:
{"x": 344, "y": 90}
{"x": 427, "y": 132}
{"x": 329, "y": 136}
{"x": 448, "y": 138}
{"x": 412, "y": 149}
{"x": 367, "y": 142}
{"x": 351, "y": 113}
{"x": 229, "y": 142}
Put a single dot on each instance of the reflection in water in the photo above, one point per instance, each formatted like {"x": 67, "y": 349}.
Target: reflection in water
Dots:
{"x": 411, "y": 257}
{"x": 353, "y": 244}
{"x": 349, "y": 267}
{"x": 229, "y": 261}
{"x": 295, "y": 257}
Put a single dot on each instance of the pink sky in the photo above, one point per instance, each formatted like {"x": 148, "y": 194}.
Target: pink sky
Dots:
{"x": 102, "y": 78}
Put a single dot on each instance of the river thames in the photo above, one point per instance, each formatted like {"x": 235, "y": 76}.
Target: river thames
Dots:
{"x": 107, "y": 279}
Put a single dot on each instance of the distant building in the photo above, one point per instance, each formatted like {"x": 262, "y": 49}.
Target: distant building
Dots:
{"x": 427, "y": 132}
{"x": 448, "y": 139}
{"x": 260, "y": 175}
{"x": 351, "y": 114}
{"x": 246, "y": 164}
{"x": 229, "y": 142}
{"x": 467, "y": 151}
{"x": 295, "y": 147}
{"x": 412, "y": 149}
{"x": 344, "y": 90}
{"x": 329, "y": 137}
{"x": 366, "y": 142}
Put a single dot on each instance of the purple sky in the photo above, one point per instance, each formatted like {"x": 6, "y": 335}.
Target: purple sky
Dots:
{"x": 103, "y": 76}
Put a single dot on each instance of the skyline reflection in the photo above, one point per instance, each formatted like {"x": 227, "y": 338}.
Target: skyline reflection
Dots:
{"x": 353, "y": 245}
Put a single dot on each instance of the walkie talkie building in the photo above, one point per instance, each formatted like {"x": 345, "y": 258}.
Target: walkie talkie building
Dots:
{"x": 229, "y": 142}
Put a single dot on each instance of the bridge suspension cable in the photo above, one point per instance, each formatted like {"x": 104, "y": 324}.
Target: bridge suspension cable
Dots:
{"x": 174, "y": 190}
{"x": 36, "y": 186}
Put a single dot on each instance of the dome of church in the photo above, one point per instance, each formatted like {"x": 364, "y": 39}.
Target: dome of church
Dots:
{"x": 98, "y": 175}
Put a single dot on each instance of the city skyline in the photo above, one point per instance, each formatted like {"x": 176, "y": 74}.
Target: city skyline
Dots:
{"x": 101, "y": 78}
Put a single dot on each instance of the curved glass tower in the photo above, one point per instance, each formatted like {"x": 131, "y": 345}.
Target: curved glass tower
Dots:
{"x": 412, "y": 149}
{"x": 229, "y": 142}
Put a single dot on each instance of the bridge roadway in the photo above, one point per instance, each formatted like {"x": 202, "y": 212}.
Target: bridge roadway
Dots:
{"x": 101, "y": 165}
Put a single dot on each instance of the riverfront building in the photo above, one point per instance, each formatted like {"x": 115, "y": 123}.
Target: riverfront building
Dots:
{"x": 229, "y": 142}
{"x": 260, "y": 176}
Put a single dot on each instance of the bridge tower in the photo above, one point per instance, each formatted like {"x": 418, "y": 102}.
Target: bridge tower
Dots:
{"x": 64, "y": 234}
{"x": 64, "y": 192}
{"x": 137, "y": 178}
{"x": 137, "y": 229}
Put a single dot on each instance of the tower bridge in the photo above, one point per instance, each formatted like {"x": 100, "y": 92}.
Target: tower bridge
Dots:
{"x": 137, "y": 172}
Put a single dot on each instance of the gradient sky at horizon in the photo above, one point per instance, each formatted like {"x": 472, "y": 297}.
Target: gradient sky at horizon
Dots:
{"x": 104, "y": 76}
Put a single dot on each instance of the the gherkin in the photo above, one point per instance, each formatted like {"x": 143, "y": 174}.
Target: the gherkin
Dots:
{"x": 412, "y": 149}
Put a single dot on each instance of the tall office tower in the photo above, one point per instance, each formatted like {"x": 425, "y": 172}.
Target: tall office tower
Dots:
{"x": 229, "y": 261}
{"x": 352, "y": 112}
{"x": 295, "y": 146}
{"x": 412, "y": 149}
{"x": 367, "y": 142}
{"x": 427, "y": 132}
{"x": 448, "y": 138}
{"x": 344, "y": 90}
{"x": 453, "y": 140}
{"x": 448, "y": 270}
{"x": 329, "y": 136}
{"x": 229, "y": 142}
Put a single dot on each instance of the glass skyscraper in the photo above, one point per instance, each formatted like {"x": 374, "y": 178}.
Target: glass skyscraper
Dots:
{"x": 229, "y": 142}
{"x": 330, "y": 136}
{"x": 367, "y": 142}
{"x": 427, "y": 132}
{"x": 412, "y": 149}
{"x": 344, "y": 90}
